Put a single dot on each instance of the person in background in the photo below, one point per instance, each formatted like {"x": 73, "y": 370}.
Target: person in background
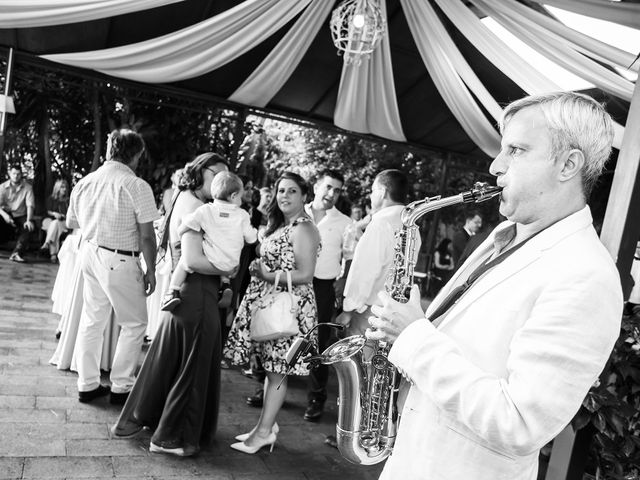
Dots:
{"x": 472, "y": 225}
{"x": 115, "y": 211}
{"x": 241, "y": 282}
{"x": 54, "y": 224}
{"x": 500, "y": 367}
{"x": 225, "y": 228}
{"x": 375, "y": 251}
{"x": 291, "y": 244}
{"x": 167, "y": 195}
{"x": 332, "y": 225}
{"x": 16, "y": 211}
{"x": 442, "y": 264}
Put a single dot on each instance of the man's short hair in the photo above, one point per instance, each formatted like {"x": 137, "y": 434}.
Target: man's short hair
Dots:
{"x": 224, "y": 184}
{"x": 124, "y": 145}
{"x": 575, "y": 121}
{"x": 327, "y": 172}
{"x": 471, "y": 214}
{"x": 395, "y": 183}
{"x": 15, "y": 166}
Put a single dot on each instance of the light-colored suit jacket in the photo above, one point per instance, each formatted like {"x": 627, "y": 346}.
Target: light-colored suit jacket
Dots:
{"x": 509, "y": 365}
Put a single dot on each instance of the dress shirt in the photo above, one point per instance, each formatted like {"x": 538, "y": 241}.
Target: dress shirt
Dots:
{"x": 108, "y": 205}
{"x": 16, "y": 199}
{"x": 373, "y": 259}
{"x": 332, "y": 228}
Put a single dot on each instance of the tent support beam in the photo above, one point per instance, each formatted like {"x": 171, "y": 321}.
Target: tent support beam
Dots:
{"x": 620, "y": 233}
{"x": 7, "y": 91}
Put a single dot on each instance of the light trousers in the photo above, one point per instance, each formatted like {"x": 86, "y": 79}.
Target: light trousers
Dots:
{"x": 112, "y": 282}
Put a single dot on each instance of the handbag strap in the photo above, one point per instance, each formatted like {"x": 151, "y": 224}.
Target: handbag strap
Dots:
{"x": 276, "y": 281}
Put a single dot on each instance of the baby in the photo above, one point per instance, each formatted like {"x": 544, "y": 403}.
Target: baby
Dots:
{"x": 225, "y": 226}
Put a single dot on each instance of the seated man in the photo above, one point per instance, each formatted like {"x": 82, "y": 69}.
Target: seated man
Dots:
{"x": 16, "y": 211}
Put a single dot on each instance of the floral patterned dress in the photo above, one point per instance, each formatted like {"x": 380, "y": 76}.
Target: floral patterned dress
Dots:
{"x": 276, "y": 254}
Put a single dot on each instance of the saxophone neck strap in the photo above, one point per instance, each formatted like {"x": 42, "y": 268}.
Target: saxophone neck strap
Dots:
{"x": 487, "y": 265}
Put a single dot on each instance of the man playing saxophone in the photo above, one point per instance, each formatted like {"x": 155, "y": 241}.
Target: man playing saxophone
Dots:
{"x": 523, "y": 329}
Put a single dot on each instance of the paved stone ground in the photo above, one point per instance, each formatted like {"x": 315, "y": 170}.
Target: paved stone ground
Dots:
{"x": 45, "y": 433}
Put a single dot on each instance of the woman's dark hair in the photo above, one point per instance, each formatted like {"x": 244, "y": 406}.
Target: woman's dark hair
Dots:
{"x": 124, "y": 145}
{"x": 191, "y": 177}
{"x": 443, "y": 246}
{"x": 275, "y": 216}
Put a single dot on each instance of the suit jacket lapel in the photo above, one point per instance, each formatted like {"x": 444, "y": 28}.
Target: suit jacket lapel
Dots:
{"x": 519, "y": 260}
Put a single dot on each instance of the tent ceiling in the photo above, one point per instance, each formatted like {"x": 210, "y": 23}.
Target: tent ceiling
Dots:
{"x": 312, "y": 89}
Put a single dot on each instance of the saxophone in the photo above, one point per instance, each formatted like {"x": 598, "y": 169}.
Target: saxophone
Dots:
{"x": 367, "y": 382}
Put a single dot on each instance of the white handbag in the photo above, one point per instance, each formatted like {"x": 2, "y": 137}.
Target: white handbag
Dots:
{"x": 275, "y": 314}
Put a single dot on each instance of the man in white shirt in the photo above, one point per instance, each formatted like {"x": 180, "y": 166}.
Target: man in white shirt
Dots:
{"x": 373, "y": 257}
{"x": 332, "y": 225}
{"x": 115, "y": 211}
{"x": 498, "y": 369}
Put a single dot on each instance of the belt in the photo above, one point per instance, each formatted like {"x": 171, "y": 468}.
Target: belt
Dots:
{"x": 121, "y": 252}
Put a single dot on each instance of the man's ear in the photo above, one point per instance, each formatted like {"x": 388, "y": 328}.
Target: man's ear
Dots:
{"x": 572, "y": 163}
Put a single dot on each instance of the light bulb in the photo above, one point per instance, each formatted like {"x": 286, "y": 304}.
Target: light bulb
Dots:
{"x": 358, "y": 20}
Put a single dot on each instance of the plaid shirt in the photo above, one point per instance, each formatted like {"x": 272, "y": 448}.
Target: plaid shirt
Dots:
{"x": 16, "y": 199}
{"x": 108, "y": 205}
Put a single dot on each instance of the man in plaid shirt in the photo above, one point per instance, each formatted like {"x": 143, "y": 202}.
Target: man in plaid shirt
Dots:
{"x": 115, "y": 211}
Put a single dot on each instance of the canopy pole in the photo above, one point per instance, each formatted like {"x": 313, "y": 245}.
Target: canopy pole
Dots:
{"x": 3, "y": 105}
{"x": 620, "y": 233}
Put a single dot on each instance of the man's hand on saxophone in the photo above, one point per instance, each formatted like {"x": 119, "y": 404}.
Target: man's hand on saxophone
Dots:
{"x": 393, "y": 317}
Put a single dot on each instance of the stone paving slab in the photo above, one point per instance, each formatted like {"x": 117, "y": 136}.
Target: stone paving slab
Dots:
{"x": 45, "y": 433}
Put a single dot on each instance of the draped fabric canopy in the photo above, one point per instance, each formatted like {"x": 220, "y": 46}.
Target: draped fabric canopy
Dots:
{"x": 438, "y": 78}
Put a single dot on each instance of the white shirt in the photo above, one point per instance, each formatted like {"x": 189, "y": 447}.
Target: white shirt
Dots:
{"x": 373, "y": 259}
{"x": 226, "y": 227}
{"x": 332, "y": 228}
{"x": 109, "y": 203}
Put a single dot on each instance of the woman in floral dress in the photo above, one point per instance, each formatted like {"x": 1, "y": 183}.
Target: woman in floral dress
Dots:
{"x": 291, "y": 244}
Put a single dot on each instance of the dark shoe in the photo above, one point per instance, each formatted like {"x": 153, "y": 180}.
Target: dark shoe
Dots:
{"x": 54, "y": 258}
{"x": 225, "y": 296}
{"x": 118, "y": 398}
{"x": 58, "y": 335}
{"x": 256, "y": 399}
{"x": 331, "y": 441}
{"x": 16, "y": 257}
{"x": 314, "y": 411}
{"x": 86, "y": 397}
{"x": 171, "y": 301}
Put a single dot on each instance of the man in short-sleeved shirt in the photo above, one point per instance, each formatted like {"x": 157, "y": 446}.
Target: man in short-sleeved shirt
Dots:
{"x": 16, "y": 211}
{"x": 115, "y": 211}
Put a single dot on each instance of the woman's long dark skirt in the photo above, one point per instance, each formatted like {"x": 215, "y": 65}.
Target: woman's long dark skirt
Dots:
{"x": 177, "y": 391}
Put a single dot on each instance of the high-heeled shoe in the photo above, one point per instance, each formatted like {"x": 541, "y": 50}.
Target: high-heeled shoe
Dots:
{"x": 251, "y": 449}
{"x": 243, "y": 436}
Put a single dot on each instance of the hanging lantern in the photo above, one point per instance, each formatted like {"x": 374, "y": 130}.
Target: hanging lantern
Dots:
{"x": 357, "y": 26}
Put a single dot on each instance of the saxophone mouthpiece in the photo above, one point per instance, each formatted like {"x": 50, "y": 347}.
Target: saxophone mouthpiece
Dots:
{"x": 481, "y": 192}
